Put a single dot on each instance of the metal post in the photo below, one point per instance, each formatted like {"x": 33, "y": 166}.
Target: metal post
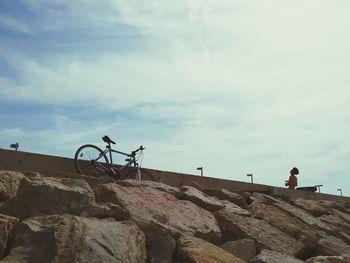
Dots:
{"x": 341, "y": 193}
{"x": 318, "y": 187}
{"x": 251, "y": 177}
{"x": 200, "y": 169}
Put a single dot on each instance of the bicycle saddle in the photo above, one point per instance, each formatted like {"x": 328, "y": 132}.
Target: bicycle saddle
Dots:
{"x": 108, "y": 140}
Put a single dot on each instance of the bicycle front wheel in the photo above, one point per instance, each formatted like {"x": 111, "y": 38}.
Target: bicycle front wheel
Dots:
{"x": 145, "y": 175}
{"x": 89, "y": 159}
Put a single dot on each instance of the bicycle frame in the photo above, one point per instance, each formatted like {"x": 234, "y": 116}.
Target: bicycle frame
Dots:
{"x": 109, "y": 150}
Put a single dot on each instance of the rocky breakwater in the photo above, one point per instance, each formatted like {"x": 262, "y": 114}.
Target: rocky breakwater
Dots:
{"x": 74, "y": 218}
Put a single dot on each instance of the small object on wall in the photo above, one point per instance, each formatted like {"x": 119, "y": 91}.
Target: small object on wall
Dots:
{"x": 14, "y": 146}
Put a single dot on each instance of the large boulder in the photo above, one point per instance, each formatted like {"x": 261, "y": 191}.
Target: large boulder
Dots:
{"x": 156, "y": 185}
{"x": 199, "y": 198}
{"x": 303, "y": 216}
{"x": 244, "y": 249}
{"x": 66, "y": 238}
{"x": 6, "y": 230}
{"x": 44, "y": 195}
{"x": 285, "y": 222}
{"x": 268, "y": 256}
{"x": 153, "y": 210}
{"x": 333, "y": 246}
{"x": 9, "y": 183}
{"x": 312, "y": 206}
{"x": 224, "y": 194}
{"x": 328, "y": 259}
{"x": 196, "y": 250}
{"x": 343, "y": 215}
{"x": 234, "y": 226}
{"x": 337, "y": 223}
{"x": 160, "y": 247}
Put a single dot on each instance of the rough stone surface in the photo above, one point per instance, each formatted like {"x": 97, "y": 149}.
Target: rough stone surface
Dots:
{"x": 337, "y": 223}
{"x": 151, "y": 208}
{"x": 38, "y": 196}
{"x": 333, "y": 246}
{"x": 64, "y": 217}
{"x": 199, "y": 198}
{"x": 268, "y": 256}
{"x": 303, "y": 215}
{"x": 328, "y": 259}
{"x": 312, "y": 206}
{"x": 159, "y": 186}
{"x": 75, "y": 239}
{"x": 234, "y": 226}
{"x": 195, "y": 250}
{"x": 224, "y": 194}
{"x": 6, "y": 228}
{"x": 233, "y": 208}
{"x": 160, "y": 247}
{"x": 285, "y": 222}
{"x": 9, "y": 183}
{"x": 244, "y": 249}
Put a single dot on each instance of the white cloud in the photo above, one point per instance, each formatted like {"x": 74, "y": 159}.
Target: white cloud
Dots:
{"x": 14, "y": 24}
{"x": 250, "y": 86}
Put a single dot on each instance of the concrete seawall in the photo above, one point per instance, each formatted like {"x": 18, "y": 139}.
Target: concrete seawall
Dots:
{"x": 24, "y": 161}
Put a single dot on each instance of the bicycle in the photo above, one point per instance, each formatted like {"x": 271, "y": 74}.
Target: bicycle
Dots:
{"x": 90, "y": 159}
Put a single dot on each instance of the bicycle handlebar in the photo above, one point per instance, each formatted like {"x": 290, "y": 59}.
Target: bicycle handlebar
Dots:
{"x": 141, "y": 148}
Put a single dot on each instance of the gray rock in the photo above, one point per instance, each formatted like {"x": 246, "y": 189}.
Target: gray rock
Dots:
{"x": 224, "y": 194}
{"x": 156, "y": 210}
{"x": 65, "y": 238}
{"x": 328, "y": 259}
{"x": 244, "y": 249}
{"x": 199, "y": 198}
{"x": 312, "y": 206}
{"x": 7, "y": 224}
{"x": 234, "y": 226}
{"x": 337, "y": 223}
{"x": 9, "y": 183}
{"x": 303, "y": 216}
{"x": 156, "y": 185}
{"x": 268, "y": 256}
{"x": 333, "y": 246}
{"x": 160, "y": 247}
{"x": 45, "y": 195}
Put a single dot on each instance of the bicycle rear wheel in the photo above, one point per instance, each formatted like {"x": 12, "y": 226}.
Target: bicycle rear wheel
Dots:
{"x": 145, "y": 175}
{"x": 89, "y": 159}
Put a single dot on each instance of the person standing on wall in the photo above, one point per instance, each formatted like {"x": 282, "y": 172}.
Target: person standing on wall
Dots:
{"x": 293, "y": 180}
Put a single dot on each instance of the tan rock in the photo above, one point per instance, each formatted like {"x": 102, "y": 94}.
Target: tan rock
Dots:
{"x": 342, "y": 215}
{"x": 151, "y": 208}
{"x": 337, "y": 223}
{"x": 303, "y": 215}
{"x": 224, "y": 194}
{"x": 160, "y": 247}
{"x": 234, "y": 227}
{"x": 268, "y": 256}
{"x": 312, "y": 206}
{"x": 9, "y": 183}
{"x": 6, "y": 228}
{"x": 333, "y": 246}
{"x": 45, "y": 195}
{"x": 285, "y": 222}
{"x": 199, "y": 198}
{"x": 233, "y": 208}
{"x": 60, "y": 239}
{"x": 244, "y": 249}
{"x": 328, "y": 259}
{"x": 195, "y": 250}
{"x": 156, "y": 185}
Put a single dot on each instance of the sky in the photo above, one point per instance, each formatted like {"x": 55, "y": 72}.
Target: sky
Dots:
{"x": 238, "y": 87}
